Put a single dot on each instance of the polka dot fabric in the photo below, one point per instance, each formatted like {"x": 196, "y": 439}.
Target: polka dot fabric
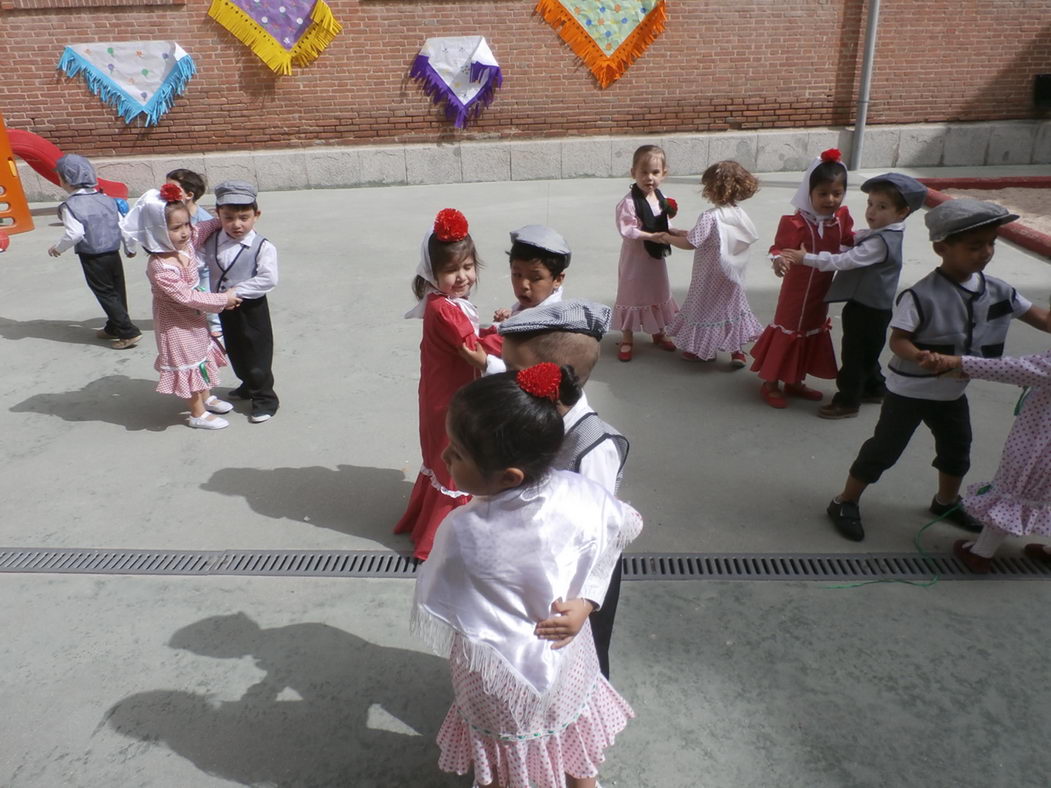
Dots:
{"x": 1019, "y": 500}
{"x": 569, "y": 737}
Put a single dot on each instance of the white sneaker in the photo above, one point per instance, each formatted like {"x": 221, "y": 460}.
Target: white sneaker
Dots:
{"x": 259, "y": 418}
{"x": 208, "y": 422}
{"x": 216, "y": 405}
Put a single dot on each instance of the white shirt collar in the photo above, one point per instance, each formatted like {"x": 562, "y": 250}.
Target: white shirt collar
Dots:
{"x": 225, "y": 239}
{"x": 576, "y": 413}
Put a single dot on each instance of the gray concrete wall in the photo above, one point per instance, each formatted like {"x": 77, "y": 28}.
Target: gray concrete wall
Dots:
{"x": 963, "y": 144}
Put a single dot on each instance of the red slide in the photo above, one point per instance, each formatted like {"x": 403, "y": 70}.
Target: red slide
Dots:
{"x": 42, "y": 155}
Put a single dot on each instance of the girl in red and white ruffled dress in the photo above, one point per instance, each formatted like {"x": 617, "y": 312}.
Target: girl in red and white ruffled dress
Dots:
{"x": 798, "y": 343}
{"x": 524, "y": 714}
{"x": 188, "y": 359}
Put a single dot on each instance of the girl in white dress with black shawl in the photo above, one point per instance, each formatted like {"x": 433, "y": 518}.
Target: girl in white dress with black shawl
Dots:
{"x": 524, "y": 714}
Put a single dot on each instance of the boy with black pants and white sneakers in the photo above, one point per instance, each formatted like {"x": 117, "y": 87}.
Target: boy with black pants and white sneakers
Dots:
{"x": 955, "y": 310}
{"x": 240, "y": 259}
{"x": 92, "y": 227}
{"x": 867, "y": 279}
{"x": 568, "y": 333}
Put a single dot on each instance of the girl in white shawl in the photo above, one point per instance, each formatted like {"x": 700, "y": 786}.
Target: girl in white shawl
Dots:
{"x": 525, "y": 715}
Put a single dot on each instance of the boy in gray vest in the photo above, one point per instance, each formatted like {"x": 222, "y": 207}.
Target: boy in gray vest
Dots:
{"x": 867, "y": 279}
{"x": 955, "y": 310}
{"x": 91, "y": 225}
{"x": 568, "y": 333}
{"x": 240, "y": 259}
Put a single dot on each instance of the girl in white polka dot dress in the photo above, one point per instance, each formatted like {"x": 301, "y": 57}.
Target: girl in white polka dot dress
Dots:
{"x": 524, "y": 714}
{"x": 1018, "y": 500}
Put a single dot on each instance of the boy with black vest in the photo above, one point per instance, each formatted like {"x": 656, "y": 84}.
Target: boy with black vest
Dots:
{"x": 955, "y": 310}
{"x": 867, "y": 279}
{"x": 240, "y": 259}
{"x": 569, "y": 333}
{"x": 92, "y": 227}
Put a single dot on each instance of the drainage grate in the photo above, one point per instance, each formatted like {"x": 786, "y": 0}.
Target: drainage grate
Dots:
{"x": 637, "y": 566}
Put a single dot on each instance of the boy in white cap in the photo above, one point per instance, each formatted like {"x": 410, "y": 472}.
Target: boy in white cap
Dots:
{"x": 240, "y": 259}
{"x": 91, "y": 225}
{"x": 539, "y": 258}
{"x": 954, "y": 310}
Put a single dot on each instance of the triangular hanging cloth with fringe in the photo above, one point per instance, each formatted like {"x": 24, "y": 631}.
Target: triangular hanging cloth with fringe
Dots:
{"x": 137, "y": 78}
{"x": 282, "y": 33}
{"x": 461, "y": 71}
{"x": 608, "y": 35}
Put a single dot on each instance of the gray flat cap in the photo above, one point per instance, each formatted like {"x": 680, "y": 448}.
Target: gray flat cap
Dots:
{"x": 911, "y": 190}
{"x": 542, "y": 237}
{"x": 964, "y": 213}
{"x": 76, "y": 170}
{"x": 235, "y": 193}
{"x": 573, "y": 315}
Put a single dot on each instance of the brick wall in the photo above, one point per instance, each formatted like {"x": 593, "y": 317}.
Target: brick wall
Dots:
{"x": 721, "y": 64}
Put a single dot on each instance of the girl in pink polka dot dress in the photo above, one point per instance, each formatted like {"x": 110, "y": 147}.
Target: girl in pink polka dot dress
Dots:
{"x": 524, "y": 714}
{"x": 1018, "y": 500}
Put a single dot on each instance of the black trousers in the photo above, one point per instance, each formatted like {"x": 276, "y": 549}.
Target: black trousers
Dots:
{"x": 602, "y": 621}
{"x": 104, "y": 274}
{"x": 249, "y": 340}
{"x": 949, "y": 421}
{"x": 864, "y": 334}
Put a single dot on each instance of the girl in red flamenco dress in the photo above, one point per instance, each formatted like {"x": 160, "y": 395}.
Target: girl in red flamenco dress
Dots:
{"x": 452, "y": 354}
{"x": 797, "y": 343}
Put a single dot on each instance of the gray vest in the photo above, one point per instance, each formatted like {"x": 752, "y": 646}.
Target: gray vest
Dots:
{"x": 241, "y": 268}
{"x": 583, "y": 437}
{"x": 873, "y": 285}
{"x": 955, "y": 321}
{"x": 98, "y": 213}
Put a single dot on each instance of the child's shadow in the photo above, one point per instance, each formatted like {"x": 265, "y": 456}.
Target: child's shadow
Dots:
{"x": 351, "y": 499}
{"x": 365, "y": 714}
{"x": 73, "y": 331}
{"x": 130, "y": 403}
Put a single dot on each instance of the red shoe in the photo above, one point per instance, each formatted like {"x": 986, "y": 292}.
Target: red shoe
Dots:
{"x": 1037, "y": 552}
{"x": 663, "y": 342}
{"x": 624, "y": 353}
{"x": 803, "y": 392}
{"x": 772, "y": 396}
{"x": 976, "y": 563}
{"x": 737, "y": 360}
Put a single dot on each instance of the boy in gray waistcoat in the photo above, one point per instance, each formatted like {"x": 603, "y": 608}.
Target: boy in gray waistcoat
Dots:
{"x": 867, "y": 279}
{"x": 568, "y": 333}
{"x": 91, "y": 225}
{"x": 955, "y": 310}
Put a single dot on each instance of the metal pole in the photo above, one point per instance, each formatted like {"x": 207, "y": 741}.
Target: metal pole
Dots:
{"x": 866, "y": 83}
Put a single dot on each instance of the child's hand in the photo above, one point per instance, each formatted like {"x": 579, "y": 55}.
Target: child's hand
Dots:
{"x": 232, "y": 299}
{"x": 793, "y": 256}
{"x": 780, "y": 266}
{"x": 500, "y": 315}
{"x": 475, "y": 357}
{"x": 53, "y": 251}
{"x": 568, "y": 620}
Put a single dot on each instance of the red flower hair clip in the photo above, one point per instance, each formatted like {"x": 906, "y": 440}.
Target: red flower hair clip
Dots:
{"x": 832, "y": 154}
{"x": 170, "y": 192}
{"x": 450, "y": 225}
{"x": 541, "y": 380}
{"x": 672, "y": 209}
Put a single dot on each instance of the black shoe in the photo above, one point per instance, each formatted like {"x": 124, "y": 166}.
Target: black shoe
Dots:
{"x": 846, "y": 517}
{"x": 955, "y": 514}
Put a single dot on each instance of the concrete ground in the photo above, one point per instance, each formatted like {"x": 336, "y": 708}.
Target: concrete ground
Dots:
{"x": 279, "y": 682}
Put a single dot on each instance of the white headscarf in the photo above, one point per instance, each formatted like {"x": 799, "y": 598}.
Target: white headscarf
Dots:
{"x": 425, "y": 271}
{"x": 146, "y": 224}
{"x": 801, "y": 200}
{"x": 737, "y": 233}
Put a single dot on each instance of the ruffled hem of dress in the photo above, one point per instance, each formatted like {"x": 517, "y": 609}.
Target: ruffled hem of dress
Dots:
{"x": 539, "y": 759}
{"x": 652, "y": 319}
{"x": 707, "y": 339}
{"x": 185, "y": 382}
{"x": 1008, "y": 512}
{"x": 425, "y": 511}
{"x": 790, "y": 356}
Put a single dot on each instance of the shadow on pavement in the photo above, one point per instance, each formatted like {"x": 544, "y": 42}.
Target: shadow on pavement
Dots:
{"x": 367, "y": 714}
{"x": 131, "y": 403}
{"x": 353, "y": 500}
{"x": 76, "y": 332}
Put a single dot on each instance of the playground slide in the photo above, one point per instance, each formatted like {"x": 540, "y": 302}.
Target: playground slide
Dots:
{"x": 41, "y": 155}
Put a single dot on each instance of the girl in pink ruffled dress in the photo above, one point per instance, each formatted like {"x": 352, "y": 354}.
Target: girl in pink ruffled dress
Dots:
{"x": 187, "y": 357}
{"x": 1018, "y": 499}
{"x": 524, "y": 714}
